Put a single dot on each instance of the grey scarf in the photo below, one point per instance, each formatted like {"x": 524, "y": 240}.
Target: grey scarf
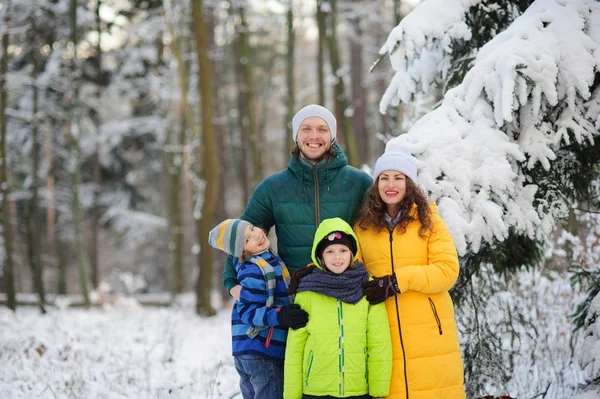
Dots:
{"x": 345, "y": 287}
{"x": 392, "y": 222}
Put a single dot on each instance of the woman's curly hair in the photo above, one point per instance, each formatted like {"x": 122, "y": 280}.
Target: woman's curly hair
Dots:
{"x": 372, "y": 212}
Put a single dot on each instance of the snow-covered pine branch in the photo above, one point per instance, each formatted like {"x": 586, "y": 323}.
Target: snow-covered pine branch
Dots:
{"x": 526, "y": 99}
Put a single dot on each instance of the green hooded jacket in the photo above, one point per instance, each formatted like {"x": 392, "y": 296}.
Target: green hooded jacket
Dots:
{"x": 344, "y": 350}
{"x": 296, "y": 199}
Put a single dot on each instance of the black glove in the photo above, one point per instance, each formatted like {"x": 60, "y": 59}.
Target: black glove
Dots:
{"x": 296, "y": 276}
{"x": 380, "y": 288}
{"x": 292, "y": 316}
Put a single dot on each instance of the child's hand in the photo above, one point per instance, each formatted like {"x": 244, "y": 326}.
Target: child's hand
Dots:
{"x": 235, "y": 292}
{"x": 292, "y": 316}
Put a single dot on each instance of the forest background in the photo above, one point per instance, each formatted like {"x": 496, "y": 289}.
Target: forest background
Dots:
{"x": 129, "y": 128}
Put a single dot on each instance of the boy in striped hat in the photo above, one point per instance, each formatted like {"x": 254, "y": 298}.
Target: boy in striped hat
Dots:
{"x": 263, "y": 314}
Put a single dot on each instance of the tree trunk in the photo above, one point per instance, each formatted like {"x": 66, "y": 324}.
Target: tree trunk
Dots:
{"x": 339, "y": 90}
{"x": 247, "y": 87}
{"x": 242, "y": 99}
{"x": 358, "y": 93}
{"x": 219, "y": 126}
{"x": 33, "y": 231}
{"x": 291, "y": 90}
{"x": 74, "y": 165}
{"x": 321, "y": 26}
{"x": 208, "y": 159}
{"x": 7, "y": 273}
{"x": 95, "y": 219}
{"x": 174, "y": 203}
{"x": 56, "y": 248}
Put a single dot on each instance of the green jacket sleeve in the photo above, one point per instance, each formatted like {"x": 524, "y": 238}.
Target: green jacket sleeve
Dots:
{"x": 229, "y": 275}
{"x": 379, "y": 351}
{"x": 259, "y": 212}
{"x": 294, "y": 356}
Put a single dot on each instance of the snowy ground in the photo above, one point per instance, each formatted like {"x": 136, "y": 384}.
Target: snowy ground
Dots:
{"x": 126, "y": 351}
{"x": 121, "y": 351}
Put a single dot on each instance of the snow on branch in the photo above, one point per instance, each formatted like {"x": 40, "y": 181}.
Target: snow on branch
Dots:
{"x": 418, "y": 44}
{"x": 527, "y": 96}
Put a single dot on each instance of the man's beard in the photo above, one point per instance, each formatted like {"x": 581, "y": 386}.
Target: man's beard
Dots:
{"x": 315, "y": 160}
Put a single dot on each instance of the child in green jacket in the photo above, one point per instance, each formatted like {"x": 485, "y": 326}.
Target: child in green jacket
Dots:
{"x": 345, "y": 350}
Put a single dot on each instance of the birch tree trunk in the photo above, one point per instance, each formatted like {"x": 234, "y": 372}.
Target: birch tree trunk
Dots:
{"x": 208, "y": 158}
{"x": 7, "y": 273}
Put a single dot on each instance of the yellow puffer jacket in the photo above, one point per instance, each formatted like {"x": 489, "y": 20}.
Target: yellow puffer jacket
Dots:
{"x": 425, "y": 345}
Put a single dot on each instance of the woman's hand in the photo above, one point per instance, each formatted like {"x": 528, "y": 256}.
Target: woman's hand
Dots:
{"x": 380, "y": 288}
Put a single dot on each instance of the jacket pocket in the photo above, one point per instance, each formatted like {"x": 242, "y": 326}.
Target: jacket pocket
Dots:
{"x": 309, "y": 363}
{"x": 435, "y": 315}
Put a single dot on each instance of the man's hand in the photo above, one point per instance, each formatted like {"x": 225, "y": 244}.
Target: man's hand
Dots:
{"x": 380, "y": 288}
{"x": 235, "y": 292}
{"x": 297, "y": 276}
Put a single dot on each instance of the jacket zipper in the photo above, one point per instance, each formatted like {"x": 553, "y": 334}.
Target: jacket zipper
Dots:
{"x": 341, "y": 359}
{"x": 398, "y": 313}
{"x": 317, "y": 204}
{"x": 435, "y": 314}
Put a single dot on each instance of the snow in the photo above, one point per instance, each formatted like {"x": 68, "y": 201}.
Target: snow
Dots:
{"x": 124, "y": 350}
{"x": 118, "y": 351}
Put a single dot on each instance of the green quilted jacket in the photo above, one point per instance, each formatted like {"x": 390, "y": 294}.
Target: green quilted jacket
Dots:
{"x": 344, "y": 350}
{"x": 296, "y": 199}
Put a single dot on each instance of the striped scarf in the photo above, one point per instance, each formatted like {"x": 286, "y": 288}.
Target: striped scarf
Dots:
{"x": 267, "y": 270}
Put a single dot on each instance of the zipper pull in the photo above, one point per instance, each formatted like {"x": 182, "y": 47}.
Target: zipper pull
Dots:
{"x": 270, "y": 334}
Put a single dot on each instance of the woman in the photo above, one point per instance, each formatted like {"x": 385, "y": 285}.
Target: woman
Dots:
{"x": 406, "y": 246}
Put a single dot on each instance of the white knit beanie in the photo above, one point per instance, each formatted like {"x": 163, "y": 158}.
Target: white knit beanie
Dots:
{"x": 399, "y": 159}
{"x": 314, "y": 110}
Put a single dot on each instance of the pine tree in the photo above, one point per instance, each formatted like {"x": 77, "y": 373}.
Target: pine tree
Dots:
{"x": 513, "y": 144}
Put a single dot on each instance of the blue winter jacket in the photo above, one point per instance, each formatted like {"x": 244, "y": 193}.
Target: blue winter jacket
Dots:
{"x": 251, "y": 311}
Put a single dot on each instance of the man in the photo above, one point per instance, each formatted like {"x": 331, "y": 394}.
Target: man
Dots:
{"x": 317, "y": 184}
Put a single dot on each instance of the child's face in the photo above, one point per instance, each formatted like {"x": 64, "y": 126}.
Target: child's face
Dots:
{"x": 255, "y": 240}
{"x": 337, "y": 258}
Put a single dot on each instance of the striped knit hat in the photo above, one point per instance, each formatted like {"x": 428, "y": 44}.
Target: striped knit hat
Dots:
{"x": 228, "y": 236}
